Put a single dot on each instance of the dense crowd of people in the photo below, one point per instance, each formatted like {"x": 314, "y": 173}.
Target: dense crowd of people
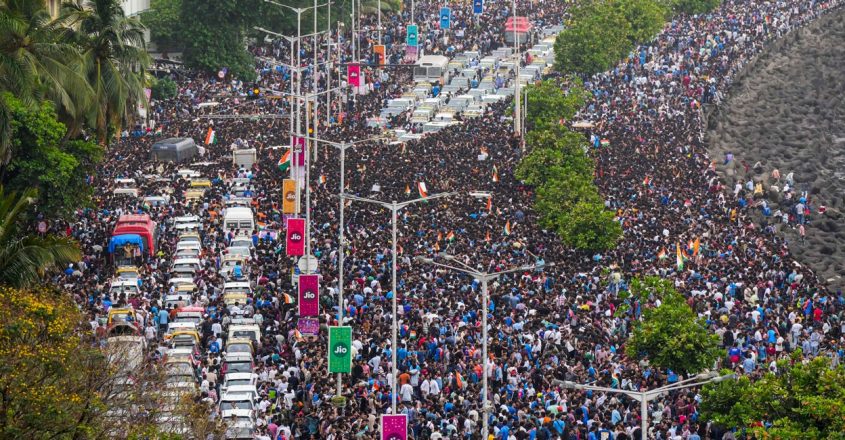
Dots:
{"x": 546, "y": 324}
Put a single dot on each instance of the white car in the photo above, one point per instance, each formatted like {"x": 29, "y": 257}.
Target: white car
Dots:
{"x": 187, "y": 223}
{"x": 238, "y": 379}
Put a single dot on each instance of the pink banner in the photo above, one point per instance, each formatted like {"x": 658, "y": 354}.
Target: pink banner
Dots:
{"x": 353, "y": 74}
{"x": 295, "y": 237}
{"x": 309, "y": 295}
{"x": 298, "y": 144}
{"x": 394, "y": 427}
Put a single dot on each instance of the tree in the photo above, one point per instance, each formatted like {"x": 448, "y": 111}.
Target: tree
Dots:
{"x": 548, "y": 104}
{"x": 805, "y": 400}
{"x": 646, "y": 18}
{"x": 587, "y": 225}
{"x": 214, "y": 35}
{"x": 596, "y": 39}
{"x": 44, "y": 160}
{"x": 164, "y": 88}
{"x": 114, "y": 60}
{"x": 165, "y": 25}
{"x": 36, "y": 65}
{"x": 670, "y": 335}
{"x": 25, "y": 258}
{"x": 42, "y": 382}
{"x": 694, "y": 7}
{"x": 552, "y": 153}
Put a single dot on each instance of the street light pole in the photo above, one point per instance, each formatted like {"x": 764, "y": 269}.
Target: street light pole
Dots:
{"x": 341, "y": 252}
{"x": 394, "y": 208}
{"x": 484, "y": 277}
{"x": 644, "y": 397}
{"x": 517, "y": 121}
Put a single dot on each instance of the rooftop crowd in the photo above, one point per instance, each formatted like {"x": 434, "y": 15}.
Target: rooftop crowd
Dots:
{"x": 545, "y": 324}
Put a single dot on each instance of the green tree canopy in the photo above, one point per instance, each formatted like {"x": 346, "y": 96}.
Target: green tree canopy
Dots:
{"x": 805, "y": 401}
{"x": 693, "y": 7}
{"x": 646, "y": 18}
{"x": 165, "y": 25}
{"x": 164, "y": 88}
{"x": 556, "y": 152}
{"x": 670, "y": 335}
{"x": 595, "y": 40}
{"x": 548, "y": 103}
{"x": 43, "y": 159}
{"x": 114, "y": 59}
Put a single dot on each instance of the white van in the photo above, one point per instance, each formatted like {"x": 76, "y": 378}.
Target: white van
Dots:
{"x": 239, "y": 217}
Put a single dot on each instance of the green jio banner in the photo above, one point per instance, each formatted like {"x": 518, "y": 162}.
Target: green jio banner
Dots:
{"x": 340, "y": 349}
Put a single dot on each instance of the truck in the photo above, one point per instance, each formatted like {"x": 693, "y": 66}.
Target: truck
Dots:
{"x": 432, "y": 69}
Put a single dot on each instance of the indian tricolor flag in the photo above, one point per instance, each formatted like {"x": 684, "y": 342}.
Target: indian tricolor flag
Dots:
{"x": 696, "y": 246}
{"x": 422, "y": 189}
{"x": 322, "y": 179}
{"x": 210, "y": 136}
{"x": 495, "y": 174}
{"x": 508, "y": 228}
{"x": 284, "y": 161}
{"x": 489, "y": 204}
{"x": 679, "y": 258}
{"x": 662, "y": 254}
{"x": 407, "y": 190}
{"x": 450, "y": 236}
{"x": 605, "y": 142}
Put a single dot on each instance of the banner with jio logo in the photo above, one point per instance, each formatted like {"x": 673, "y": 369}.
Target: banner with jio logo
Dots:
{"x": 295, "y": 237}
{"x": 477, "y": 6}
{"x": 394, "y": 427}
{"x": 445, "y": 18}
{"x": 309, "y": 295}
{"x": 353, "y": 75}
{"x": 340, "y": 349}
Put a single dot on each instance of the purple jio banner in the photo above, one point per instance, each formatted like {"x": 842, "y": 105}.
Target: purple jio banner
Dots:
{"x": 295, "y": 237}
{"x": 298, "y": 144}
{"x": 394, "y": 427}
{"x": 309, "y": 295}
{"x": 309, "y": 326}
{"x": 353, "y": 74}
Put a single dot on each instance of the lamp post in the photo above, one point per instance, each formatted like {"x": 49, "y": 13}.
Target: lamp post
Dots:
{"x": 342, "y": 146}
{"x": 484, "y": 277}
{"x": 394, "y": 208}
{"x": 517, "y": 120}
{"x": 644, "y": 397}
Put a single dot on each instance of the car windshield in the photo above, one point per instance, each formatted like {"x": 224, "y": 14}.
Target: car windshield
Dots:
{"x": 239, "y": 367}
{"x": 236, "y": 382}
{"x": 235, "y": 404}
{"x": 191, "y": 319}
{"x": 238, "y": 348}
{"x": 174, "y": 379}
{"x": 243, "y": 334}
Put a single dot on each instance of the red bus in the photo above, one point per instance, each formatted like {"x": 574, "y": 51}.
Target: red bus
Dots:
{"x": 141, "y": 225}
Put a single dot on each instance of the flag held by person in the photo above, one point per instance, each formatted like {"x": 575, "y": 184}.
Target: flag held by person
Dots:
{"x": 450, "y": 236}
{"x": 210, "y": 136}
{"x": 422, "y": 189}
{"x": 495, "y": 174}
{"x": 407, "y": 190}
{"x": 508, "y": 228}
{"x": 679, "y": 259}
{"x": 284, "y": 161}
{"x": 696, "y": 246}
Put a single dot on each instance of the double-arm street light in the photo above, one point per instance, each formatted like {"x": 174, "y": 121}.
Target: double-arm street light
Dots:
{"x": 484, "y": 277}
{"x": 341, "y": 146}
{"x": 394, "y": 208}
{"x": 644, "y": 397}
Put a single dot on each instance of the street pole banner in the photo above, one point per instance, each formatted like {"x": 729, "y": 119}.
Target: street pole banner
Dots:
{"x": 289, "y": 196}
{"x": 298, "y": 151}
{"x": 412, "y": 35}
{"x": 477, "y": 6}
{"x": 340, "y": 349}
{"x": 379, "y": 50}
{"x": 394, "y": 427}
{"x": 353, "y": 75}
{"x": 309, "y": 295}
{"x": 445, "y": 18}
{"x": 295, "y": 237}
{"x": 309, "y": 326}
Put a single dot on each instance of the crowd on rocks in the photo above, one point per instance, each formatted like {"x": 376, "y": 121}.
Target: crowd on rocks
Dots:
{"x": 544, "y": 324}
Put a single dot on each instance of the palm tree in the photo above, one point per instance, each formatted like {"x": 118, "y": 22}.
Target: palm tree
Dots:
{"x": 114, "y": 60}
{"x": 36, "y": 64}
{"x": 25, "y": 258}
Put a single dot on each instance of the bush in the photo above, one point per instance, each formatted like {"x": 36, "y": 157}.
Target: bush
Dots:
{"x": 165, "y": 88}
